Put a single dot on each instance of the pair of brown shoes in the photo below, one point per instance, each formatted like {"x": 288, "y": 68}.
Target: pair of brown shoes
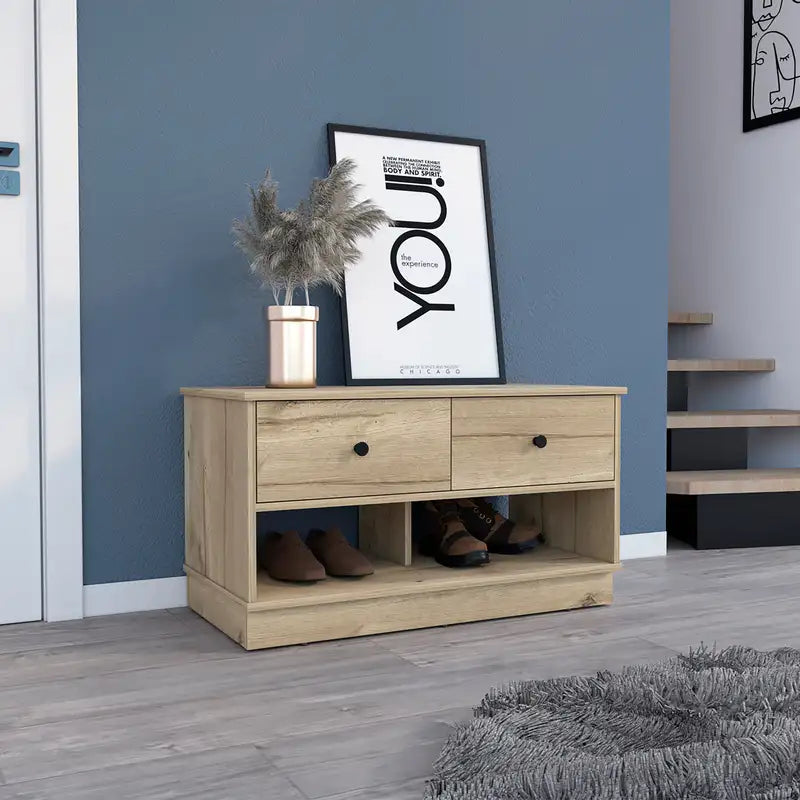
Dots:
{"x": 286, "y": 557}
{"x": 462, "y": 533}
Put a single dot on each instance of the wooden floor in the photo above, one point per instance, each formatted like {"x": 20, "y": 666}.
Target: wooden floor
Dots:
{"x": 160, "y": 705}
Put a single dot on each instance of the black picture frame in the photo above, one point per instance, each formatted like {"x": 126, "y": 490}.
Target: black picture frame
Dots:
{"x": 748, "y": 122}
{"x": 332, "y": 130}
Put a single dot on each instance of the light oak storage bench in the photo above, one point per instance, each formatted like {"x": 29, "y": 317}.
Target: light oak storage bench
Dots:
{"x": 380, "y": 448}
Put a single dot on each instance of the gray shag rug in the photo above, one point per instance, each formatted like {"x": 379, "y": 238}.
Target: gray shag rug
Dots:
{"x": 712, "y": 725}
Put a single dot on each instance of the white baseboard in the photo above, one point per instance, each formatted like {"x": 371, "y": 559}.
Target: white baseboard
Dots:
{"x": 643, "y": 545}
{"x": 127, "y": 596}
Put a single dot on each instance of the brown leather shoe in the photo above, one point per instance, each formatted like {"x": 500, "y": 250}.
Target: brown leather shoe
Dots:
{"x": 286, "y": 557}
{"x": 501, "y": 535}
{"x": 337, "y": 555}
{"x": 445, "y": 538}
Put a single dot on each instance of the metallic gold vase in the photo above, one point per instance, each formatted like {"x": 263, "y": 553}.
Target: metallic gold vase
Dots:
{"x": 292, "y": 346}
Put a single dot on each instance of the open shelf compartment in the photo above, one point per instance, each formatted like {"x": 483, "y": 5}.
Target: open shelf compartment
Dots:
{"x": 423, "y": 576}
{"x": 573, "y": 570}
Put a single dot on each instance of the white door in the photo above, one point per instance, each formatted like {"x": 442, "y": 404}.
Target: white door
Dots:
{"x": 20, "y": 515}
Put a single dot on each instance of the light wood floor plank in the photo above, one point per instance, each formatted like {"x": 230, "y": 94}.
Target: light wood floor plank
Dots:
{"x": 175, "y": 710}
{"x": 240, "y": 773}
{"x": 401, "y": 790}
{"x": 366, "y": 772}
{"x": 186, "y": 682}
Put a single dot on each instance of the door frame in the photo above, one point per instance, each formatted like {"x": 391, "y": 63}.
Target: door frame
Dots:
{"x": 59, "y": 308}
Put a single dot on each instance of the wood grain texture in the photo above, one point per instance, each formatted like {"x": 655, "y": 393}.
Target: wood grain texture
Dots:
{"x": 219, "y": 492}
{"x": 424, "y": 576}
{"x": 240, "y": 517}
{"x": 384, "y": 532}
{"x": 555, "y": 513}
{"x": 235, "y": 773}
{"x": 204, "y": 480}
{"x": 721, "y": 365}
{"x": 755, "y": 418}
{"x": 463, "y": 601}
{"x": 305, "y": 450}
{"x": 733, "y": 481}
{"x": 691, "y": 318}
{"x": 558, "y": 520}
{"x": 586, "y": 523}
{"x": 161, "y": 705}
{"x": 218, "y": 606}
{"x": 281, "y": 505}
{"x": 526, "y": 508}
{"x": 617, "y": 523}
{"x": 492, "y": 440}
{"x": 259, "y": 394}
{"x": 247, "y": 456}
{"x": 597, "y": 525}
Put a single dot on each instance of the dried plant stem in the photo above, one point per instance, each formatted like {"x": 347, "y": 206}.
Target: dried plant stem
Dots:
{"x": 311, "y": 245}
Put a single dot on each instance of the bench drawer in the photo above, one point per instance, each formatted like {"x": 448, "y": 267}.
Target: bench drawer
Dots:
{"x": 493, "y": 441}
{"x": 307, "y": 450}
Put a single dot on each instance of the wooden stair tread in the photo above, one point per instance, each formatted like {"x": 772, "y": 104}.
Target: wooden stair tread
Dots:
{"x": 721, "y": 365}
{"x": 744, "y": 418}
{"x": 690, "y": 318}
{"x": 733, "y": 481}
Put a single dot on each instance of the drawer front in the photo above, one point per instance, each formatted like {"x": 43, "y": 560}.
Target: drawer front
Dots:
{"x": 493, "y": 441}
{"x": 305, "y": 449}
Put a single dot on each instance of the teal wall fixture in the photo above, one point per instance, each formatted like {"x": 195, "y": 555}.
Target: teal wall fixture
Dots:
{"x": 9, "y": 182}
{"x": 183, "y": 103}
{"x": 9, "y": 154}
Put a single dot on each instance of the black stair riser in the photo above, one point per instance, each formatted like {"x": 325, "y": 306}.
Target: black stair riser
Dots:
{"x": 677, "y": 391}
{"x": 724, "y": 521}
{"x": 706, "y": 448}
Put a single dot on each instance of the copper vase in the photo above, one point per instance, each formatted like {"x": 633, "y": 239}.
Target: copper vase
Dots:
{"x": 292, "y": 346}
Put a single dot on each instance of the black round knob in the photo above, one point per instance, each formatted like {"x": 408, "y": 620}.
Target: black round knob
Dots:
{"x": 361, "y": 448}
{"x": 540, "y": 441}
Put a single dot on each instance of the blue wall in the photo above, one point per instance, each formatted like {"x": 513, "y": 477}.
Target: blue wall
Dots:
{"x": 183, "y": 103}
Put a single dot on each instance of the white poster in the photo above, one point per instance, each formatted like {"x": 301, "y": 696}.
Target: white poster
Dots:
{"x": 421, "y": 306}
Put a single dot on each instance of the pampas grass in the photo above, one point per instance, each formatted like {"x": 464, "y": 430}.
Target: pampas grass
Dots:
{"x": 312, "y": 245}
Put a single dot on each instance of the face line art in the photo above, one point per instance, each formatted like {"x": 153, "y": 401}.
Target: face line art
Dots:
{"x": 778, "y": 60}
{"x": 773, "y": 95}
{"x": 772, "y": 102}
{"x": 765, "y": 21}
{"x": 787, "y": 57}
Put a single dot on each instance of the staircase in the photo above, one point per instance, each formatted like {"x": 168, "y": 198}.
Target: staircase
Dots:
{"x": 713, "y": 499}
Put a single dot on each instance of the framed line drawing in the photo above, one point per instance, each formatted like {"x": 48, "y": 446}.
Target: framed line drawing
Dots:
{"x": 421, "y": 305}
{"x": 771, "y": 93}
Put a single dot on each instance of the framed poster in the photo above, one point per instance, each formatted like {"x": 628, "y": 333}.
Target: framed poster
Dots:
{"x": 421, "y": 306}
{"x": 771, "y": 92}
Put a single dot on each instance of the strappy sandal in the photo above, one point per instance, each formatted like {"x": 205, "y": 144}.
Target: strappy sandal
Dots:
{"x": 445, "y": 538}
{"x": 501, "y": 535}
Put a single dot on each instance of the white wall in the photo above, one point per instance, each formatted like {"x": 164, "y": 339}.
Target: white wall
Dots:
{"x": 735, "y": 224}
